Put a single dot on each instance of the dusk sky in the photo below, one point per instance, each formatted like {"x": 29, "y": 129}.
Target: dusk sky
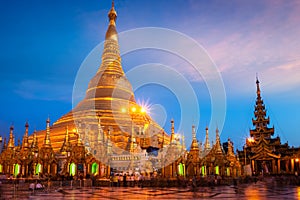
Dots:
{"x": 43, "y": 44}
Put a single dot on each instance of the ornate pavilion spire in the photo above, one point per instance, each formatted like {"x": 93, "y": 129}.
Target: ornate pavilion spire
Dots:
{"x": 206, "y": 144}
{"x": 194, "y": 153}
{"x": 47, "y": 142}
{"x": 34, "y": 144}
{"x": 218, "y": 142}
{"x": 194, "y": 145}
{"x": 66, "y": 147}
{"x": 172, "y": 131}
{"x": 25, "y": 143}
{"x": 260, "y": 122}
{"x": 11, "y": 141}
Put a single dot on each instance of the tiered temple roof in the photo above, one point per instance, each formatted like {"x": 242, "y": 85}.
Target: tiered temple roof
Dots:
{"x": 260, "y": 122}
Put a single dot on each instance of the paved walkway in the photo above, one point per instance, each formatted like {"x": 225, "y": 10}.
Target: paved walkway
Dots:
{"x": 260, "y": 190}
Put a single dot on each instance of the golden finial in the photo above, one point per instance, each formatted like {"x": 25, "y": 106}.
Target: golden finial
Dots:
{"x": 47, "y": 136}
{"x": 112, "y": 15}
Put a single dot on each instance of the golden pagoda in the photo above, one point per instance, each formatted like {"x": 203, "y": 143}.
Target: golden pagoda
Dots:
{"x": 193, "y": 157}
{"x": 109, "y": 108}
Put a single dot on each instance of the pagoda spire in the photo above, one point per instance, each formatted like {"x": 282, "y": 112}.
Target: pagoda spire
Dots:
{"x": 172, "y": 131}
{"x": 34, "y": 144}
{"x": 47, "y": 142}
{"x": 206, "y": 144}
{"x": 11, "y": 141}
{"x": 261, "y": 121}
{"x": 66, "y": 147}
{"x": 218, "y": 147}
{"x": 111, "y": 59}
{"x": 25, "y": 143}
{"x": 217, "y": 135}
{"x": 195, "y": 145}
{"x": 257, "y": 88}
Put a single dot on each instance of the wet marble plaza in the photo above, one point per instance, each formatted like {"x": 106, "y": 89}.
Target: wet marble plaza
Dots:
{"x": 255, "y": 191}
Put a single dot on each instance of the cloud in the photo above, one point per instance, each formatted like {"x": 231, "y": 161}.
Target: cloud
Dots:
{"x": 44, "y": 90}
{"x": 283, "y": 75}
{"x": 266, "y": 43}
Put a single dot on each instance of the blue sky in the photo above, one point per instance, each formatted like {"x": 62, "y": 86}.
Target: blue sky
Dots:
{"x": 43, "y": 44}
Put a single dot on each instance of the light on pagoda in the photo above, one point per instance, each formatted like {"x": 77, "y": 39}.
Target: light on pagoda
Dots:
{"x": 143, "y": 110}
{"x": 250, "y": 139}
{"x": 133, "y": 109}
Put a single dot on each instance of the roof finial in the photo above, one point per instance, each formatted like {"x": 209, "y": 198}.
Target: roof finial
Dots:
{"x": 11, "y": 141}
{"x": 47, "y": 142}
{"x": 206, "y": 144}
{"x": 217, "y": 134}
{"x": 193, "y": 131}
{"x": 25, "y": 143}
{"x": 112, "y": 15}
{"x": 195, "y": 145}
{"x": 257, "y": 87}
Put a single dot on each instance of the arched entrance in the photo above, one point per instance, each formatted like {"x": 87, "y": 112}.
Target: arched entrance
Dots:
{"x": 38, "y": 168}
{"x": 203, "y": 170}
{"x": 181, "y": 169}
{"x": 95, "y": 168}
{"x": 16, "y": 169}
{"x": 72, "y": 169}
{"x": 217, "y": 170}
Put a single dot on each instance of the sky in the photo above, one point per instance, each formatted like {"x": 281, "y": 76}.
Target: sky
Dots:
{"x": 44, "y": 43}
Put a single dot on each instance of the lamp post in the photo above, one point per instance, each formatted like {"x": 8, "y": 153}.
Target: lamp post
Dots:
{"x": 133, "y": 111}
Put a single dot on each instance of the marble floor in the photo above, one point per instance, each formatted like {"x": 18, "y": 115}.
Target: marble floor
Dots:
{"x": 260, "y": 190}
